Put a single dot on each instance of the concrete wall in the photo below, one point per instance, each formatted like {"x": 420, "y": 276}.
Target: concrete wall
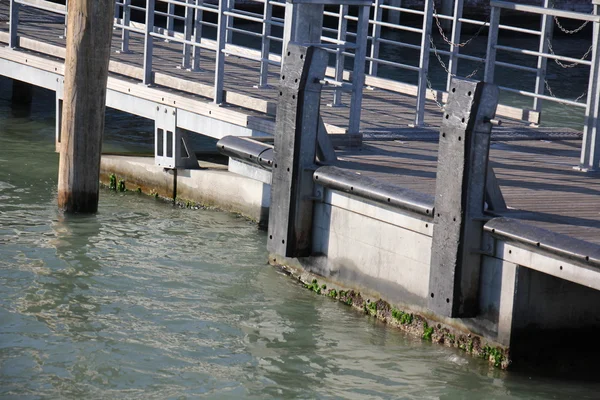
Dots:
{"x": 211, "y": 187}
{"x": 369, "y": 246}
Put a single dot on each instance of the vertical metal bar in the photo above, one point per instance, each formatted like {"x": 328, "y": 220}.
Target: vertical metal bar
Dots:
{"x": 148, "y": 42}
{"x": 230, "y": 22}
{"x": 424, "y": 63}
{"x": 265, "y": 50}
{"x": 376, "y": 34}
{"x": 188, "y": 27}
{"x": 393, "y": 15}
{"x": 170, "y": 19}
{"x": 339, "y": 56}
{"x": 590, "y": 148}
{"x": 197, "y": 36}
{"x": 220, "y": 56}
{"x": 490, "y": 60}
{"x": 358, "y": 72}
{"x": 13, "y": 38}
{"x": 126, "y": 21}
{"x": 545, "y": 35}
{"x": 66, "y": 19}
{"x": 454, "y": 50}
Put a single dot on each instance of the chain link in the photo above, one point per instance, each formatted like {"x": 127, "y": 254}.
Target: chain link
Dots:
{"x": 565, "y": 30}
{"x": 433, "y": 93}
{"x": 568, "y": 32}
{"x": 443, "y": 64}
{"x": 552, "y": 94}
{"x": 448, "y": 41}
{"x": 587, "y": 53}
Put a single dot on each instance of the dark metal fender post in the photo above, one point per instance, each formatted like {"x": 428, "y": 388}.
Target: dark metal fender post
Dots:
{"x": 459, "y": 198}
{"x": 297, "y": 124}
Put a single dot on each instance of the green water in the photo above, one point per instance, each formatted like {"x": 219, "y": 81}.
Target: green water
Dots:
{"x": 148, "y": 301}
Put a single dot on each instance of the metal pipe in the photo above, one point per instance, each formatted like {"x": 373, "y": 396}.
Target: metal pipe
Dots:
{"x": 148, "y": 42}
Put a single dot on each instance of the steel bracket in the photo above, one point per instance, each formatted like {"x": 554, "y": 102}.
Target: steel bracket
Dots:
{"x": 171, "y": 148}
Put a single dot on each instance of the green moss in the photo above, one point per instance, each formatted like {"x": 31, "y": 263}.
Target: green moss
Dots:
{"x": 372, "y": 308}
{"x": 121, "y": 186}
{"x": 112, "y": 182}
{"x": 403, "y": 317}
{"x": 332, "y": 293}
{"x": 492, "y": 353}
{"x": 427, "y": 331}
{"x": 314, "y": 286}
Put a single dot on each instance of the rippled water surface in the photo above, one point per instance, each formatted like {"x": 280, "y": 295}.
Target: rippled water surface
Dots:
{"x": 148, "y": 301}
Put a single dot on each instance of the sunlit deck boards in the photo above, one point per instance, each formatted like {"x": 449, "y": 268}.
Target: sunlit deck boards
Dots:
{"x": 537, "y": 179}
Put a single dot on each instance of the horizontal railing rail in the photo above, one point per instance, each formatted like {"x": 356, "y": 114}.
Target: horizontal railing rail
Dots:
{"x": 186, "y": 22}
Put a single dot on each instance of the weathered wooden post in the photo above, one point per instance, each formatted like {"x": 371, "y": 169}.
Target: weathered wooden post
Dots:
{"x": 290, "y": 216}
{"x": 89, "y": 35}
{"x": 459, "y": 198}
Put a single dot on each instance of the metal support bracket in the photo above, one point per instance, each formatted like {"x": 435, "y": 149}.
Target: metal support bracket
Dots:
{"x": 459, "y": 199}
{"x": 297, "y": 124}
{"x": 171, "y": 148}
{"x": 325, "y": 150}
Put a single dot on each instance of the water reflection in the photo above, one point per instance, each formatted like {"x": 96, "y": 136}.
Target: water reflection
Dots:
{"x": 59, "y": 296}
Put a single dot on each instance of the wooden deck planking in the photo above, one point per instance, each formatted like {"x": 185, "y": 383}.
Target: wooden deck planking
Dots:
{"x": 382, "y": 110}
{"x": 537, "y": 179}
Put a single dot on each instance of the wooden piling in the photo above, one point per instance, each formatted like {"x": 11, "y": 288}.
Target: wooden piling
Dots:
{"x": 89, "y": 35}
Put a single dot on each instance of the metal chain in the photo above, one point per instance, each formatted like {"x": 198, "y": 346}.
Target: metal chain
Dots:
{"x": 562, "y": 28}
{"x": 443, "y": 64}
{"x": 568, "y": 32}
{"x": 433, "y": 93}
{"x": 463, "y": 44}
{"x": 552, "y": 94}
{"x": 567, "y": 65}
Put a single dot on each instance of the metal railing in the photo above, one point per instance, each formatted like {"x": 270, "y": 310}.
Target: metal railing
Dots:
{"x": 188, "y": 20}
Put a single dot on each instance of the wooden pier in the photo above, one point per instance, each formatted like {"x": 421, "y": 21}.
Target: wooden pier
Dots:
{"x": 538, "y": 170}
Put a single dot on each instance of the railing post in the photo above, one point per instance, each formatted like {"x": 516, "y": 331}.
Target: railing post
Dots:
{"x": 424, "y": 63}
{"x": 126, "y": 21}
{"x": 393, "y": 16}
{"x": 376, "y": 34}
{"x": 545, "y": 35}
{"x": 197, "y": 36}
{"x": 187, "y": 34}
{"x": 339, "y": 54}
{"x": 170, "y": 19}
{"x": 358, "y": 72}
{"x": 13, "y": 38}
{"x": 490, "y": 59}
{"x": 148, "y": 42}
{"x": 64, "y": 35}
{"x": 220, "y": 55}
{"x": 590, "y": 148}
{"x": 265, "y": 50}
{"x": 230, "y": 22}
{"x": 456, "y": 33}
